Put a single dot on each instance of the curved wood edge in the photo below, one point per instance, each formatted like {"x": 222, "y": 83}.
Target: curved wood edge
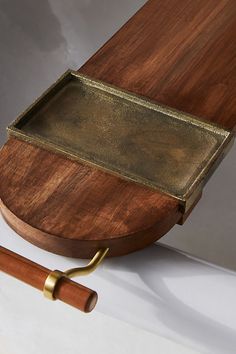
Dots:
{"x": 73, "y": 210}
{"x": 86, "y": 249}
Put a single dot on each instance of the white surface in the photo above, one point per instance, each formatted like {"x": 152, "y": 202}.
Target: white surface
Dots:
{"x": 38, "y": 326}
{"x": 159, "y": 291}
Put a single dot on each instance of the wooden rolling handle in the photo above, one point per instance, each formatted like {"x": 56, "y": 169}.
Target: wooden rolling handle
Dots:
{"x": 68, "y": 291}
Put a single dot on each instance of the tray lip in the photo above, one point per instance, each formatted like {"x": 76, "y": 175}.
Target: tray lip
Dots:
{"x": 186, "y": 199}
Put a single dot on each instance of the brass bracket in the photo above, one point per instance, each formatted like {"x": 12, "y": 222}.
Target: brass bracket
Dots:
{"x": 55, "y": 276}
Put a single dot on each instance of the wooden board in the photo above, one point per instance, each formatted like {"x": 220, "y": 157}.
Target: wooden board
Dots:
{"x": 180, "y": 53}
{"x": 73, "y": 209}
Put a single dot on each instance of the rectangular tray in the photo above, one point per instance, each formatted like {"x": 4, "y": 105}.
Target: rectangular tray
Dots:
{"x": 124, "y": 134}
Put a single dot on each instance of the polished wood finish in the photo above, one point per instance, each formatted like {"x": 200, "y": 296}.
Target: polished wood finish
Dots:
{"x": 179, "y": 53}
{"x": 73, "y": 209}
{"x": 35, "y": 275}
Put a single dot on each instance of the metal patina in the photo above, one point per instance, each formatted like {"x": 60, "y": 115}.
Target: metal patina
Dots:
{"x": 126, "y": 135}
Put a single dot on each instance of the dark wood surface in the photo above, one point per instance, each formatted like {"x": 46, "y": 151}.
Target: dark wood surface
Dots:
{"x": 179, "y": 53}
{"x": 60, "y": 205}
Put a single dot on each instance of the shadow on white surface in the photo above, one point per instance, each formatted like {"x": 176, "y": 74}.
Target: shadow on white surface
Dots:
{"x": 187, "y": 300}
{"x": 157, "y": 289}
{"x": 46, "y": 33}
{"x": 33, "y": 325}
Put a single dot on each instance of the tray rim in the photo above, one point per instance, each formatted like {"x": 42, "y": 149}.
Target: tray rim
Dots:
{"x": 187, "y": 199}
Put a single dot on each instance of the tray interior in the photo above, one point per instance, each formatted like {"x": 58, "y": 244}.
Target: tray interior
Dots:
{"x": 123, "y": 134}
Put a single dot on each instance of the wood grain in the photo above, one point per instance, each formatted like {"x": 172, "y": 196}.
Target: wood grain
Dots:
{"x": 35, "y": 275}
{"x": 73, "y": 209}
{"x": 179, "y": 53}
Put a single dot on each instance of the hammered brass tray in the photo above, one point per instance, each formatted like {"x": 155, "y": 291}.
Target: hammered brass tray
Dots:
{"x": 124, "y": 134}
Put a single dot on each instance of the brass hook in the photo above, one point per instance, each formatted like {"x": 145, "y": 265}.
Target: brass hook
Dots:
{"x": 55, "y": 276}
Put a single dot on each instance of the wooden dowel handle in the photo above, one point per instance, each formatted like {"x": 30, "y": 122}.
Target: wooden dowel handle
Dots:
{"x": 35, "y": 275}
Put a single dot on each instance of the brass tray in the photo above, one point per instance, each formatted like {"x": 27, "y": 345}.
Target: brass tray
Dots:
{"x": 124, "y": 134}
